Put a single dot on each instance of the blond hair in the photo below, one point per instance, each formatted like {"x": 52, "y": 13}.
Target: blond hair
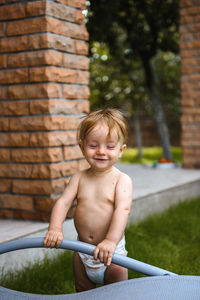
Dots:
{"x": 111, "y": 117}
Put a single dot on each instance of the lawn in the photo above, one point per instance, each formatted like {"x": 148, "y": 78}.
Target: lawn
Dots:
{"x": 150, "y": 155}
{"x": 170, "y": 240}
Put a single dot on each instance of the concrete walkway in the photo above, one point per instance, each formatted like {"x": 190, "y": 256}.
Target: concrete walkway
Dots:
{"x": 154, "y": 191}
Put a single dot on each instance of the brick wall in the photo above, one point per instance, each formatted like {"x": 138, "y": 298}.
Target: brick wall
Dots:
{"x": 44, "y": 91}
{"x": 190, "y": 81}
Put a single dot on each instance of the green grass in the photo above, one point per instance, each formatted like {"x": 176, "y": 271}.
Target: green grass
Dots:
{"x": 150, "y": 155}
{"x": 170, "y": 240}
{"x": 52, "y": 276}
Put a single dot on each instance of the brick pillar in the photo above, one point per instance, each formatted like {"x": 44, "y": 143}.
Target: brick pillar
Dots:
{"x": 44, "y": 91}
{"x": 190, "y": 81}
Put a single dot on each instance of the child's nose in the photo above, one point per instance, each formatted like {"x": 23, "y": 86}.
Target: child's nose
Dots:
{"x": 101, "y": 150}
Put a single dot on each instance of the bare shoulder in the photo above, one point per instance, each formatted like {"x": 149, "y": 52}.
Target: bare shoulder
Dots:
{"x": 124, "y": 179}
{"x": 76, "y": 178}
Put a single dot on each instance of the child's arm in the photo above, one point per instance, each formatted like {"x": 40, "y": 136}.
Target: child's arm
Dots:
{"x": 54, "y": 235}
{"x": 123, "y": 201}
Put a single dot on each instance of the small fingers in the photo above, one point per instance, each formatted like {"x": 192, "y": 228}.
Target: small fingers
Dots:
{"x": 102, "y": 256}
{"x": 52, "y": 239}
{"x": 59, "y": 241}
{"x": 105, "y": 257}
{"x": 96, "y": 253}
{"x": 109, "y": 259}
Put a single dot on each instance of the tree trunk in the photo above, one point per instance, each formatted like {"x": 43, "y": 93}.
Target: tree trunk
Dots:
{"x": 138, "y": 133}
{"x": 158, "y": 110}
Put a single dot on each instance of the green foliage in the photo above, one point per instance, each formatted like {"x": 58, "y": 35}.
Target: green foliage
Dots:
{"x": 116, "y": 85}
{"x": 148, "y": 26}
{"x": 150, "y": 155}
{"x": 139, "y": 35}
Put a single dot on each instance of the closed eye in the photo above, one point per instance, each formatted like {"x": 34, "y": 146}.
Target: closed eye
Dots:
{"x": 92, "y": 146}
{"x": 110, "y": 146}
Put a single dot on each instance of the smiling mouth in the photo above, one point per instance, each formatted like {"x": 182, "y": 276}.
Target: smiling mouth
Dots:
{"x": 101, "y": 159}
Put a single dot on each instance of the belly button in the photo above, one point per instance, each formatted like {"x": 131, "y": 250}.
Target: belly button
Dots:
{"x": 91, "y": 237}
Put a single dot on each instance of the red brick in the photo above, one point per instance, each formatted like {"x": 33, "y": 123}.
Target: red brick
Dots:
{"x": 4, "y": 155}
{"x": 3, "y": 61}
{"x": 44, "y": 203}
{"x": 53, "y": 74}
{"x": 60, "y": 11}
{"x": 43, "y": 171}
{"x": 41, "y": 106}
{"x": 13, "y": 139}
{"x": 3, "y": 93}
{"x": 75, "y": 92}
{"x": 59, "y": 106}
{"x": 191, "y": 110}
{"x": 187, "y": 101}
{"x": 75, "y": 3}
{"x": 44, "y": 123}
{"x": 79, "y": 17}
{"x": 49, "y": 40}
{"x": 14, "y": 108}
{"x": 27, "y": 26}
{"x": 191, "y": 151}
{"x": 72, "y": 152}
{"x": 5, "y": 186}
{"x": 82, "y": 77}
{"x": 81, "y": 47}
{"x": 13, "y": 76}
{"x": 185, "y": 3}
{"x": 36, "y": 155}
{"x": 6, "y": 213}
{"x": 54, "y": 171}
{"x": 4, "y": 125}
{"x": 31, "y": 215}
{"x": 76, "y": 62}
{"x": 35, "y": 58}
{"x": 34, "y": 91}
{"x": 11, "y": 1}
{"x": 36, "y": 8}
{"x": 16, "y": 170}
{"x": 186, "y": 19}
{"x": 16, "y": 201}
{"x": 2, "y": 29}
{"x": 14, "y": 44}
{"x": 66, "y": 29}
{"x": 193, "y": 10}
{"x": 38, "y": 187}
{"x": 53, "y": 139}
{"x": 10, "y": 12}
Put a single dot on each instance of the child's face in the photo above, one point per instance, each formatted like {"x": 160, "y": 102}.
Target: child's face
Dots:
{"x": 102, "y": 150}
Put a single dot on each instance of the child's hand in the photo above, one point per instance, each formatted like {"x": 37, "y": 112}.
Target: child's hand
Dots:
{"x": 53, "y": 238}
{"x": 104, "y": 251}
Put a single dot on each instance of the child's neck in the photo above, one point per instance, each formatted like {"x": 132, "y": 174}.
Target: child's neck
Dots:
{"x": 100, "y": 173}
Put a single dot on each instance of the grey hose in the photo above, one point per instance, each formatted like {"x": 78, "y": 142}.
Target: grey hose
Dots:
{"x": 117, "y": 259}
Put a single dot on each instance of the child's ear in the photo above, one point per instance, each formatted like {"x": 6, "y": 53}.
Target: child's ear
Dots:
{"x": 81, "y": 146}
{"x": 122, "y": 149}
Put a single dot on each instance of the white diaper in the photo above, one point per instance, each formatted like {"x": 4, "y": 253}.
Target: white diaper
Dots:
{"x": 94, "y": 268}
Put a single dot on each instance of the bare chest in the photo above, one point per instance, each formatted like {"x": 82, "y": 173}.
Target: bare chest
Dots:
{"x": 97, "y": 190}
